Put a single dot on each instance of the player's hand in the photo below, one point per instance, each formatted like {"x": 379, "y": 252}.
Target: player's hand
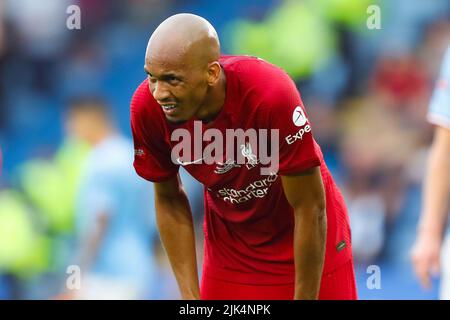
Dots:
{"x": 425, "y": 255}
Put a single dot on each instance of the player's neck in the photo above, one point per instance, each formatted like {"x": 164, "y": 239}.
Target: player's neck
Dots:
{"x": 214, "y": 101}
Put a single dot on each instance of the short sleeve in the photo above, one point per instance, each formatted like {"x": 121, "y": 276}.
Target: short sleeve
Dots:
{"x": 152, "y": 159}
{"x": 297, "y": 148}
{"x": 439, "y": 110}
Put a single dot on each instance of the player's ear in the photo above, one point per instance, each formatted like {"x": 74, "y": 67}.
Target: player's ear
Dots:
{"x": 213, "y": 72}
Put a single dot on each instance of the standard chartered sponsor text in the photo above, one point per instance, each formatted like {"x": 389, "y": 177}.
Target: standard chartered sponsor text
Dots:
{"x": 256, "y": 189}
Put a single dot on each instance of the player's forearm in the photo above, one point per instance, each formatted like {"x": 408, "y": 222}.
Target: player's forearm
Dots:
{"x": 309, "y": 251}
{"x": 91, "y": 242}
{"x": 436, "y": 189}
{"x": 176, "y": 230}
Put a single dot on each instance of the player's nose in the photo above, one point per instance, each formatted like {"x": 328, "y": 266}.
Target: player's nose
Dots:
{"x": 160, "y": 93}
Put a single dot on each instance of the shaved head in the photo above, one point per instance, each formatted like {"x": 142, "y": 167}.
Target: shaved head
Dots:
{"x": 184, "y": 38}
{"x": 182, "y": 62}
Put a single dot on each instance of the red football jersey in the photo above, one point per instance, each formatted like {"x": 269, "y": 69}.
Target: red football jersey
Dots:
{"x": 248, "y": 222}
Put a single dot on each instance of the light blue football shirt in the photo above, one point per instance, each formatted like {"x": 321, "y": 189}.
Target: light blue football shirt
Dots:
{"x": 439, "y": 110}
{"x": 109, "y": 185}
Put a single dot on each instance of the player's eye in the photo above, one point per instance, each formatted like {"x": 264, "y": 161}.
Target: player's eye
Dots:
{"x": 173, "y": 80}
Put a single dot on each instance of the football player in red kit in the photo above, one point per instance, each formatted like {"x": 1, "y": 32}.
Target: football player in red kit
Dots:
{"x": 282, "y": 233}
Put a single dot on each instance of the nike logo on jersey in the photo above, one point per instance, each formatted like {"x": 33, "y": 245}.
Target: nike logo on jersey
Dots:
{"x": 186, "y": 163}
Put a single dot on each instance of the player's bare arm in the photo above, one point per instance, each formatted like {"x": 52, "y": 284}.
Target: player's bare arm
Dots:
{"x": 436, "y": 198}
{"x": 305, "y": 193}
{"x": 89, "y": 248}
{"x": 426, "y": 251}
{"x": 93, "y": 240}
{"x": 175, "y": 224}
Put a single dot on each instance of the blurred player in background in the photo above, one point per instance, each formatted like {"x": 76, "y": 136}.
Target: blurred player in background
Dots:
{"x": 430, "y": 254}
{"x": 114, "y": 225}
{"x": 280, "y": 236}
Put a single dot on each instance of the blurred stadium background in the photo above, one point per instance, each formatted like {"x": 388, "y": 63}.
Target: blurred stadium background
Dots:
{"x": 366, "y": 92}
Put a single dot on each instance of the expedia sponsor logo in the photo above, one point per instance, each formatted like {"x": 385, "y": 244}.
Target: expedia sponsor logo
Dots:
{"x": 299, "y": 117}
{"x": 290, "y": 139}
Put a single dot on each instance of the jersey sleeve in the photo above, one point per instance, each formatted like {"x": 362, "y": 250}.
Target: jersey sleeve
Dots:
{"x": 297, "y": 149}
{"x": 152, "y": 159}
{"x": 439, "y": 110}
